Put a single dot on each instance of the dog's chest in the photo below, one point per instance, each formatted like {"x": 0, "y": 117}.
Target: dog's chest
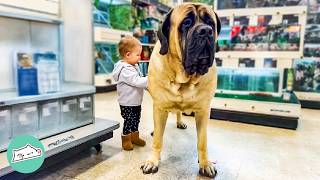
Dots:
{"x": 183, "y": 92}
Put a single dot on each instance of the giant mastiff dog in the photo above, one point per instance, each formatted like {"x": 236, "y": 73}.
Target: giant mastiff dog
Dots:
{"x": 182, "y": 77}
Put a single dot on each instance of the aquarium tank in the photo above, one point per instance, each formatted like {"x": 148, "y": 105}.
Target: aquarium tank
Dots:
{"x": 249, "y": 79}
{"x": 306, "y": 75}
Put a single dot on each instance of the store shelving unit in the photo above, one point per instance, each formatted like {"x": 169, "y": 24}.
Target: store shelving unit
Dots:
{"x": 264, "y": 108}
{"x": 103, "y": 35}
{"x": 106, "y": 35}
{"x": 63, "y": 120}
{"x": 309, "y": 95}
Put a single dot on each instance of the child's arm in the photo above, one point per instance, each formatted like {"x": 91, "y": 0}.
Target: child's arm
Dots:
{"x": 130, "y": 76}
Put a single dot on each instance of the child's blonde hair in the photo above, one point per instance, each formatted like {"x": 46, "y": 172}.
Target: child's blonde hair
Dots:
{"x": 127, "y": 44}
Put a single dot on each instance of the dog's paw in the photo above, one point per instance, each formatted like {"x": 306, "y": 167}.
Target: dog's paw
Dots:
{"x": 150, "y": 167}
{"x": 208, "y": 171}
{"x": 181, "y": 125}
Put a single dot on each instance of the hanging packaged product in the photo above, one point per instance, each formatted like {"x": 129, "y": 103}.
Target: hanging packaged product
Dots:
{"x": 48, "y": 72}
{"x": 26, "y": 76}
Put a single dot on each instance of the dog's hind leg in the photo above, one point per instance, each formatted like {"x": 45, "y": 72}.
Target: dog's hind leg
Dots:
{"x": 206, "y": 168}
{"x": 180, "y": 124}
{"x": 160, "y": 119}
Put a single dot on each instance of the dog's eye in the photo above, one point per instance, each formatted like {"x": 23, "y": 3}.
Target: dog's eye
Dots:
{"x": 187, "y": 23}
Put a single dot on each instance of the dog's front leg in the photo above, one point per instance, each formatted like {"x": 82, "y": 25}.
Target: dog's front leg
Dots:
{"x": 180, "y": 123}
{"x": 206, "y": 168}
{"x": 160, "y": 118}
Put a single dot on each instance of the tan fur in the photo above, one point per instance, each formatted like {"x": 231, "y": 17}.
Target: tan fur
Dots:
{"x": 172, "y": 90}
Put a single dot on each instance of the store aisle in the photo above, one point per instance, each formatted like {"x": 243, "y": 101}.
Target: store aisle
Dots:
{"x": 242, "y": 151}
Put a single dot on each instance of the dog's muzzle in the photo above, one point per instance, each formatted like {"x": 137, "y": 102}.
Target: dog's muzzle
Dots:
{"x": 199, "y": 49}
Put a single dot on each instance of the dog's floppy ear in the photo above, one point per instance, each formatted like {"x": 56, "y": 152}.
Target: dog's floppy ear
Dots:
{"x": 218, "y": 24}
{"x": 163, "y": 34}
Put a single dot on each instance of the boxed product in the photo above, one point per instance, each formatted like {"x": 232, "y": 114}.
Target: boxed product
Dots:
{"x": 27, "y": 83}
{"x": 48, "y": 72}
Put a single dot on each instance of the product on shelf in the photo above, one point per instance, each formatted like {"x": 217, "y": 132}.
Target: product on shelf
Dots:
{"x": 114, "y": 14}
{"x": 312, "y": 50}
{"x": 106, "y": 57}
{"x": 225, "y": 21}
{"x": 313, "y": 18}
{"x": 241, "y": 21}
{"x": 144, "y": 68}
{"x": 260, "y": 38}
{"x": 48, "y": 72}
{"x": 232, "y": 4}
{"x": 26, "y": 75}
{"x": 218, "y": 62}
{"x": 312, "y": 34}
{"x": 249, "y": 79}
{"x": 270, "y": 63}
{"x": 246, "y": 62}
{"x": 306, "y": 75}
{"x": 101, "y": 17}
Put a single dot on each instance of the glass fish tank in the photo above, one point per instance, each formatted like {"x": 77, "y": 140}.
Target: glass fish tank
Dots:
{"x": 106, "y": 55}
{"x": 306, "y": 75}
{"x": 249, "y": 80}
{"x": 115, "y": 14}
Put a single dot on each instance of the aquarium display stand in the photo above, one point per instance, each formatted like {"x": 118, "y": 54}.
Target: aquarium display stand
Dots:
{"x": 260, "y": 112}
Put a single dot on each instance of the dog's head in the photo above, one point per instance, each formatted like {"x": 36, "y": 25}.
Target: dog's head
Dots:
{"x": 190, "y": 32}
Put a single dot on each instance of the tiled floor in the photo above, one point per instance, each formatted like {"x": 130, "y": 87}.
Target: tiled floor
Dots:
{"x": 242, "y": 151}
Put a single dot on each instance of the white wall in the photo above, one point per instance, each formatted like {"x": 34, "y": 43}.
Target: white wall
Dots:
{"x": 22, "y": 36}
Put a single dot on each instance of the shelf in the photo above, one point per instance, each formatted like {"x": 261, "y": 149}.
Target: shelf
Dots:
{"x": 274, "y": 106}
{"x": 263, "y": 11}
{"x": 35, "y": 10}
{"x": 257, "y": 54}
{"x": 106, "y": 35}
{"x": 67, "y": 90}
{"x": 147, "y": 44}
{"x": 308, "y": 96}
{"x": 65, "y": 141}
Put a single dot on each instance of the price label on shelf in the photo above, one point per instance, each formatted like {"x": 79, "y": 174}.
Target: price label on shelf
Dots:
{"x": 65, "y": 108}
{"x": 4, "y": 113}
{"x": 81, "y": 105}
{"x": 46, "y": 112}
{"x": 23, "y": 119}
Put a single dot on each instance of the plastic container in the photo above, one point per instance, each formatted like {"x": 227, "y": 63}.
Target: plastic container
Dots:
{"x": 85, "y": 112}
{"x": 49, "y": 118}
{"x": 25, "y": 120}
{"x": 69, "y": 108}
{"x": 5, "y": 128}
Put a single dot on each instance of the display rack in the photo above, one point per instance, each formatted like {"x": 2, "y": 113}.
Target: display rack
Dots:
{"x": 107, "y": 37}
{"x": 259, "y": 106}
{"x": 64, "y": 119}
{"x": 308, "y": 91}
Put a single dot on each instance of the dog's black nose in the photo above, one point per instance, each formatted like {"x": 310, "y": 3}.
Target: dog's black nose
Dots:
{"x": 205, "y": 30}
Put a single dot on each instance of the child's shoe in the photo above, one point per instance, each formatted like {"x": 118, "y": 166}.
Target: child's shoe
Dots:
{"x": 126, "y": 142}
{"x": 135, "y": 139}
